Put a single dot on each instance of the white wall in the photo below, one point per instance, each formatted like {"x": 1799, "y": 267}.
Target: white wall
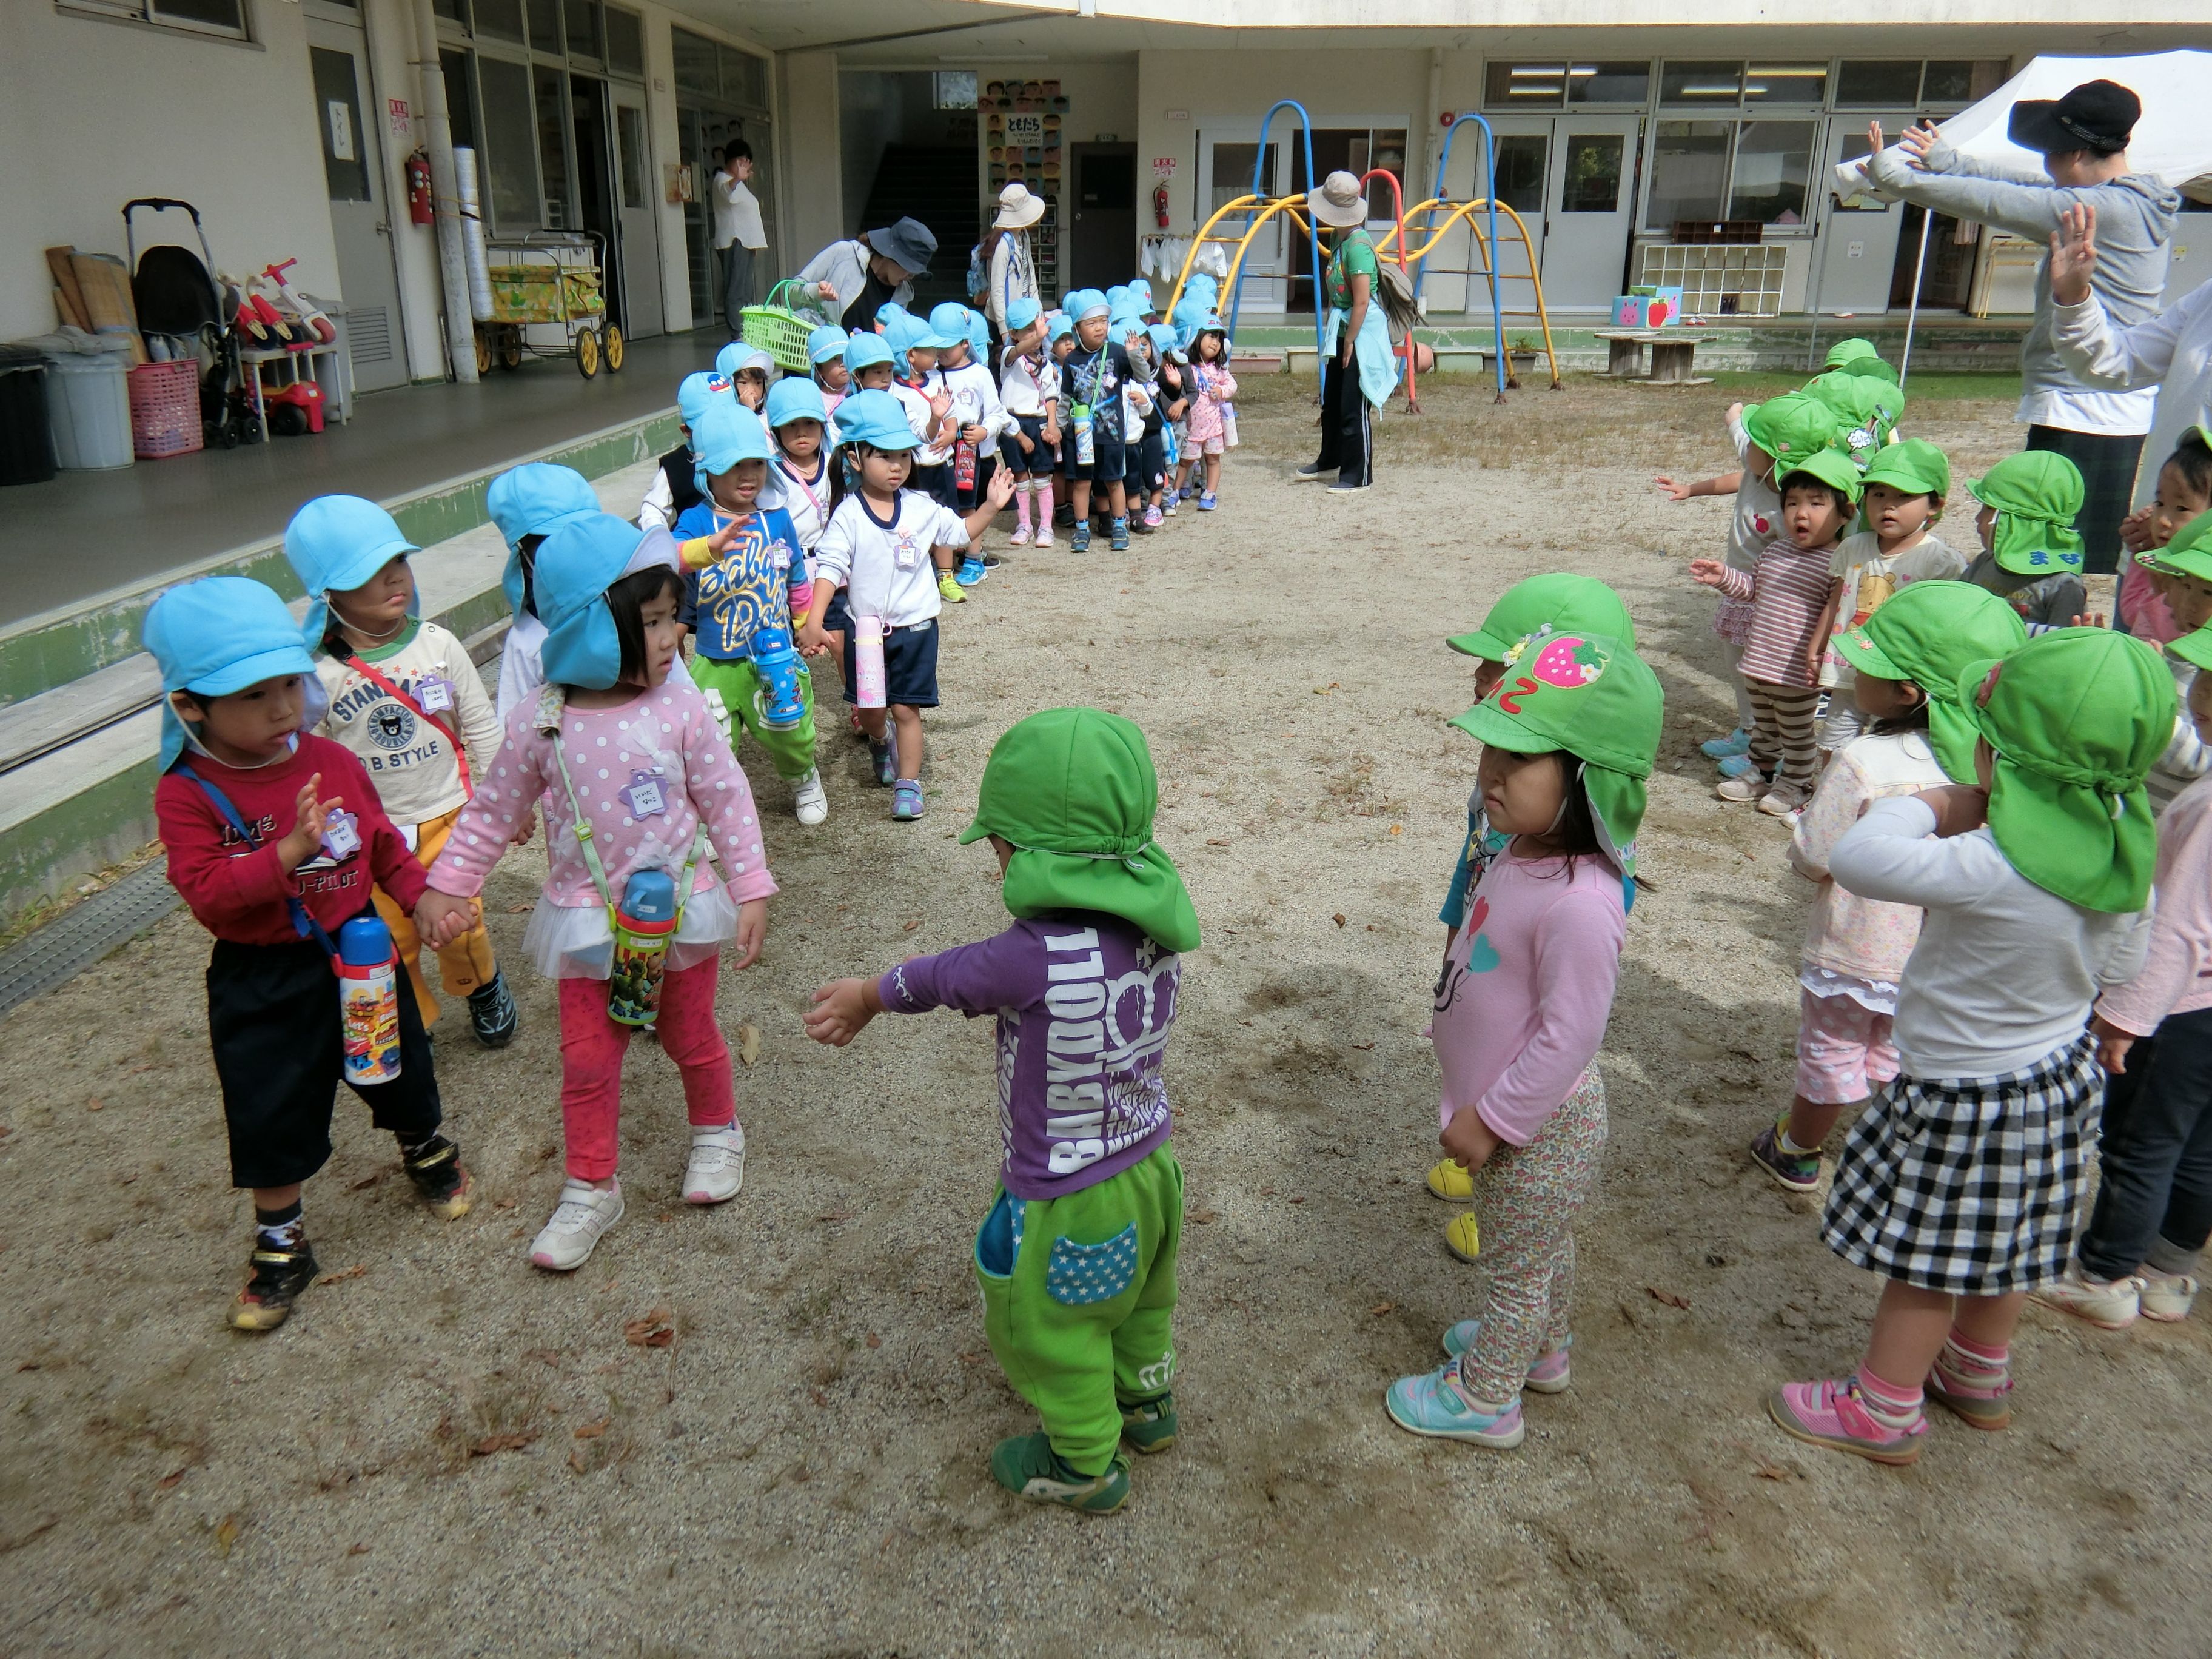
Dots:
{"x": 809, "y": 150}
{"x": 97, "y": 112}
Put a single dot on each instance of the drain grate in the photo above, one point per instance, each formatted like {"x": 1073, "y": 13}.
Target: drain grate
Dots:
{"x": 66, "y": 946}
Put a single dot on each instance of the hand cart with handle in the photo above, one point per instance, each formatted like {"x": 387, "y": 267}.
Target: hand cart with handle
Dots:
{"x": 543, "y": 280}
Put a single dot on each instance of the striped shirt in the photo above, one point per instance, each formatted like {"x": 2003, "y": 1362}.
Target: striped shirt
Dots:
{"x": 1788, "y": 591}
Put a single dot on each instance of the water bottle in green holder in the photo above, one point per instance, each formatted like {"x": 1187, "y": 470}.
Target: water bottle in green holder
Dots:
{"x": 644, "y": 923}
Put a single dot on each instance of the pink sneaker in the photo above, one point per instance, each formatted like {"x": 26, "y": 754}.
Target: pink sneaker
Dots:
{"x": 1020, "y": 537}
{"x": 1549, "y": 1373}
{"x": 1976, "y": 1400}
{"x": 1832, "y": 1413}
{"x": 1152, "y": 518}
{"x": 1045, "y": 535}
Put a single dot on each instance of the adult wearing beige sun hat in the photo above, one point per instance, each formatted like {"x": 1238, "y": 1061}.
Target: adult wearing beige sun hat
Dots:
{"x": 1011, "y": 263}
{"x": 1357, "y": 371}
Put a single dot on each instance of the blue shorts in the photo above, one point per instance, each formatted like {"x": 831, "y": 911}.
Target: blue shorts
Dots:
{"x": 1107, "y": 468}
{"x": 909, "y": 666}
{"x": 1041, "y": 460}
{"x": 1147, "y": 463}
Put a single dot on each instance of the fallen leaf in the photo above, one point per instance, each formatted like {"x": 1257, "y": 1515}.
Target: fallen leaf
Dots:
{"x": 1266, "y": 1191}
{"x": 748, "y": 1042}
{"x": 226, "y": 1535}
{"x": 911, "y": 925}
{"x": 357, "y": 1549}
{"x": 494, "y": 1444}
{"x": 1338, "y": 918}
{"x": 517, "y": 909}
{"x": 1672, "y": 1299}
{"x": 169, "y": 1480}
{"x": 1205, "y": 1217}
{"x": 834, "y": 1215}
{"x": 28, "y": 1365}
{"x": 502, "y": 1204}
{"x": 1766, "y": 1471}
{"x": 1362, "y": 1046}
{"x": 1212, "y": 842}
{"x": 365, "y": 1182}
{"x": 875, "y": 1342}
{"x": 593, "y": 1430}
{"x": 653, "y": 1331}
{"x": 1397, "y": 828}
{"x": 1299, "y": 1199}
{"x": 818, "y": 1396}
{"x": 576, "y": 1462}
{"x": 94, "y": 1105}
{"x": 1382, "y": 1308}
{"x": 1373, "y": 928}
{"x": 340, "y": 1277}
{"x": 1324, "y": 690}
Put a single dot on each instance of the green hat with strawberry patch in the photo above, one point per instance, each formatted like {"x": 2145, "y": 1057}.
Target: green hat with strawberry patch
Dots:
{"x": 1555, "y": 601}
{"x": 1587, "y": 694}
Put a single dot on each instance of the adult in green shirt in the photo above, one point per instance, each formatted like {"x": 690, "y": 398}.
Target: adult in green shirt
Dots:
{"x": 1358, "y": 371}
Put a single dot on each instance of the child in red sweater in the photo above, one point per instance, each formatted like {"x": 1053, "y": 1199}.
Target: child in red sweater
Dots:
{"x": 238, "y": 767}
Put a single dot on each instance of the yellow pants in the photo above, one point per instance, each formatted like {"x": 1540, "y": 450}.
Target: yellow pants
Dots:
{"x": 464, "y": 964}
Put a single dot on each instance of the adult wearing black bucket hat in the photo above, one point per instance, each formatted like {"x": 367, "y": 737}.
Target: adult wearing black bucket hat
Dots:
{"x": 854, "y": 277}
{"x": 2082, "y": 139}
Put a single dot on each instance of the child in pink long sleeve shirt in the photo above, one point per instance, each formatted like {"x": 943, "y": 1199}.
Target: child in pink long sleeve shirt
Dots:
{"x": 637, "y": 777}
{"x": 1570, "y": 733}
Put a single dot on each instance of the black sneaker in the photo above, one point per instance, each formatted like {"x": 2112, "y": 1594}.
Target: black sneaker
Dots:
{"x": 445, "y": 1187}
{"x": 278, "y": 1277}
{"x": 1307, "y": 474}
{"x": 493, "y": 1016}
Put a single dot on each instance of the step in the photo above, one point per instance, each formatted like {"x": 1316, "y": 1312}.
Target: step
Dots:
{"x": 77, "y": 800}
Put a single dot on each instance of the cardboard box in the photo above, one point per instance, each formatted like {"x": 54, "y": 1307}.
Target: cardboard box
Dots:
{"x": 1660, "y": 310}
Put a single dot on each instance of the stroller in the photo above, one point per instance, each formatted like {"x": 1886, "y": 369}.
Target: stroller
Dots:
{"x": 177, "y": 295}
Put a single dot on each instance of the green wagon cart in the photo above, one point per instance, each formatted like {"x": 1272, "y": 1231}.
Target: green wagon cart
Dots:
{"x": 543, "y": 281}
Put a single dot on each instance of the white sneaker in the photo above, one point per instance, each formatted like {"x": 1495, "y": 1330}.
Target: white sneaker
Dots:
{"x": 584, "y": 1212}
{"x": 717, "y": 1168}
{"x": 2164, "y": 1297}
{"x": 812, "y": 801}
{"x": 2110, "y": 1305}
{"x": 1044, "y": 536}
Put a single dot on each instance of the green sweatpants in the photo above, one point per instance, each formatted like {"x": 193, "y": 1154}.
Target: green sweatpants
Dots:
{"x": 1078, "y": 1296}
{"x": 737, "y": 682}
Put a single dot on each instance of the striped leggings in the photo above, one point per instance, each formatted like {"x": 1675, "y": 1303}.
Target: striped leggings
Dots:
{"x": 1783, "y": 743}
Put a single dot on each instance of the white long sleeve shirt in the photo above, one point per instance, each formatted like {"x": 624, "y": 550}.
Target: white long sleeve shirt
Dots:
{"x": 976, "y": 403}
{"x": 2004, "y": 973}
{"x": 2173, "y": 352}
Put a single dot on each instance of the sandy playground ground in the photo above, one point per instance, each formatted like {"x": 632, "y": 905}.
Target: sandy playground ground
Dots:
{"x": 761, "y": 1430}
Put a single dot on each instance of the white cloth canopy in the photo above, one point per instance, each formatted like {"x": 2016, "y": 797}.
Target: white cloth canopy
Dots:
{"x": 2173, "y": 139}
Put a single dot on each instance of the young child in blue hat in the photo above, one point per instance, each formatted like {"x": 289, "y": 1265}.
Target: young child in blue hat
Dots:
{"x": 1028, "y": 391}
{"x": 528, "y": 503}
{"x": 274, "y": 836}
{"x": 1093, "y": 373}
{"x": 749, "y": 371}
{"x": 978, "y": 416}
{"x": 403, "y": 694}
{"x": 825, "y": 353}
{"x": 748, "y": 583}
{"x": 673, "y": 489}
{"x": 884, "y": 543}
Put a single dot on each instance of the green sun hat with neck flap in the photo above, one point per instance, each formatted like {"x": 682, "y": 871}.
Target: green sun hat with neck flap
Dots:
{"x": 1074, "y": 790}
{"x": 1927, "y": 632}
{"x": 1555, "y": 601}
{"x": 2188, "y": 554}
{"x": 1830, "y": 466}
{"x": 2036, "y": 493}
{"x": 1790, "y": 427}
{"x": 1866, "y": 408}
{"x": 1588, "y": 694}
{"x": 2077, "y": 718}
{"x": 1848, "y": 351}
{"x": 1913, "y": 467}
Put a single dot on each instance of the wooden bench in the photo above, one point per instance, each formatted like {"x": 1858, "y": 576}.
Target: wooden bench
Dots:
{"x": 1673, "y": 355}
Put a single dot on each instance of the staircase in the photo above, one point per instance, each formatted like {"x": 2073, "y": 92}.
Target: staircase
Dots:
{"x": 937, "y": 185}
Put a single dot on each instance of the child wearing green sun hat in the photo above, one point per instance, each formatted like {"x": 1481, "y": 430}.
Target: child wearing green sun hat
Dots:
{"x": 1904, "y": 661}
{"x": 1961, "y": 1184}
{"x": 1569, "y": 735}
{"x": 1525, "y": 615}
{"x": 1077, "y": 1257}
{"x": 2031, "y": 553}
{"x": 1866, "y": 408}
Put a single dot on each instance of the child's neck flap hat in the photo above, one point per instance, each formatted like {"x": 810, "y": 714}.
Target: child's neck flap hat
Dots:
{"x": 949, "y": 322}
{"x": 1021, "y": 312}
{"x": 735, "y": 358}
{"x": 336, "y": 544}
{"x": 1927, "y": 632}
{"x": 723, "y": 438}
{"x": 535, "y": 499}
{"x": 865, "y": 352}
{"x": 697, "y": 393}
{"x": 2077, "y": 718}
{"x": 576, "y": 565}
{"x": 1911, "y": 465}
{"x": 1791, "y": 428}
{"x": 794, "y": 399}
{"x": 1865, "y": 410}
{"x": 2188, "y": 554}
{"x": 2036, "y": 493}
{"x": 1832, "y": 467}
{"x": 1559, "y": 602}
{"x": 1589, "y": 695}
{"x": 1074, "y": 790}
{"x": 876, "y": 419}
{"x": 1063, "y": 328}
{"x": 1845, "y": 352}
{"x": 220, "y": 635}
{"x": 1087, "y": 302}
{"x": 826, "y": 344}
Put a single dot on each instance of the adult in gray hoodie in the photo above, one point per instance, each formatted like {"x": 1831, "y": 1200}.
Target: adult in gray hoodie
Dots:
{"x": 2082, "y": 139}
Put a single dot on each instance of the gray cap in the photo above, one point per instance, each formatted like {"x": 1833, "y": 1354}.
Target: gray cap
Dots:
{"x": 909, "y": 244}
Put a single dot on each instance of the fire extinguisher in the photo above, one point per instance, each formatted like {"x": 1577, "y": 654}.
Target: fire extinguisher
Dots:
{"x": 418, "y": 188}
{"x": 1160, "y": 206}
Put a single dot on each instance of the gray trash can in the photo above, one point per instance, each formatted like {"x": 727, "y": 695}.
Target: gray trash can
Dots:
{"x": 88, "y": 397}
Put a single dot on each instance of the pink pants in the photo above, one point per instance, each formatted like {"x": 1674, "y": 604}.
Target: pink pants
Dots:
{"x": 1845, "y": 1051}
{"x": 592, "y": 1049}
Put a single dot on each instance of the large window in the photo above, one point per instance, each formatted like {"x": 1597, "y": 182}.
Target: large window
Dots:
{"x": 1595, "y": 163}
{"x": 1689, "y": 172}
{"x": 223, "y": 17}
{"x": 1773, "y": 162}
{"x": 1509, "y": 85}
{"x": 1714, "y": 170}
{"x": 510, "y": 142}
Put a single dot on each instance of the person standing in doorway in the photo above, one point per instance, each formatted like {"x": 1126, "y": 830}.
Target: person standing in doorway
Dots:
{"x": 1357, "y": 371}
{"x": 739, "y": 236}
{"x": 2083, "y": 140}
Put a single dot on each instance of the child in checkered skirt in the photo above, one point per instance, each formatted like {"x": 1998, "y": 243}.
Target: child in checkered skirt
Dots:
{"x": 1962, "y": 1183}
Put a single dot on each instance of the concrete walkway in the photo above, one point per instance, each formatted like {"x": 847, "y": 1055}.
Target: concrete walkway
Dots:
{"x": 84, "y": 533}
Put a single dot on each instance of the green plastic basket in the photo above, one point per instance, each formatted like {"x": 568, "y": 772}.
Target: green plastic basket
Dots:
{"x": 779, "y": 331}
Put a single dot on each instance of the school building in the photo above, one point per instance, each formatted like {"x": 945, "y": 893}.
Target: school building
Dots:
{"x": 1684, "y": 143}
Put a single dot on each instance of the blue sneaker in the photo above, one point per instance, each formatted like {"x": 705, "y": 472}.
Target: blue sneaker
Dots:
{"x": 1209, "y": 502}
{"x": 1740, "y": 766}
{"x": 882, "y": 764}
{"x": 906, "y": 799}
{"x": 1433, "y": 1405}
{"x": 1120, "y": 540}
{"x": 1078, "y": 539}
{"x": 1737, "y": 742}
{"x": 1549, "y": 1374}
{"x": 972, "y": 570}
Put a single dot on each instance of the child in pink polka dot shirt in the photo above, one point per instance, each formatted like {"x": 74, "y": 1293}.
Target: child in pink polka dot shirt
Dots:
{"x": 638, "y": 763}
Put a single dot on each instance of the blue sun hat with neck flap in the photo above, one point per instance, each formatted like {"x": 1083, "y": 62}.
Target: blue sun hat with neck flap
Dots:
{"x": 725, "y": 437}
{"x": 865, "y": 352}
{"x": 220, "y": 635}
{"x": 534, "y": 499}
{"x": 696, "y": 394}
{"x": 335, "y": 544}
{"x": 826, "y": 344}
{"x": 576, "y": 565}
{"x": 736, "y": 357}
